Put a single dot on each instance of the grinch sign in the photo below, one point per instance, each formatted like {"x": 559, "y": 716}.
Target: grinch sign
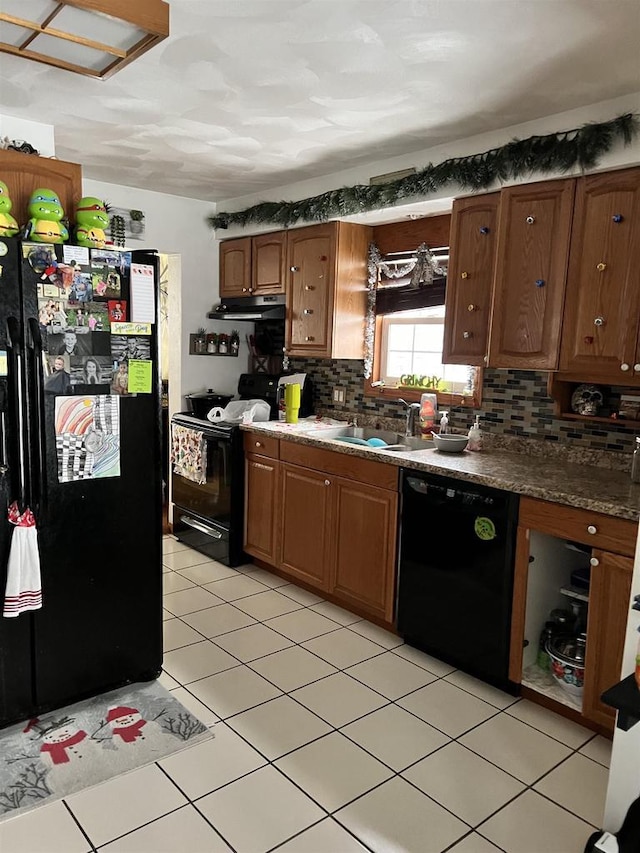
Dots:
{"x": 412, "y": 380}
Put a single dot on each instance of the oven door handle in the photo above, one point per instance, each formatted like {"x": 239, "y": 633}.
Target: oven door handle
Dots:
{"x": 202, "y": 528}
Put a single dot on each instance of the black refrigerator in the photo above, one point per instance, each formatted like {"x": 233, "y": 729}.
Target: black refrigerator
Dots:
{"x": 99, "y": 537}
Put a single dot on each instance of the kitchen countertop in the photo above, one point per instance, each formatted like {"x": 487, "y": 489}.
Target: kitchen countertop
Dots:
{"x": 584, "y": 486}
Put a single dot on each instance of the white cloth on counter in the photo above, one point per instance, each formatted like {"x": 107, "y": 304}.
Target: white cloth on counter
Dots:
{"x": 241, "y": 412}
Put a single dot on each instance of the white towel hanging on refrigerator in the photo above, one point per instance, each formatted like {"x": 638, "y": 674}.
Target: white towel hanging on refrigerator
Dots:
{"x": 24, "y": 587}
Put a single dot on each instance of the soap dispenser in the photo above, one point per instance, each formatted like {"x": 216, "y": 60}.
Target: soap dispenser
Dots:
{"x": 475, "y": 435}
{"x": 444, "y": 423}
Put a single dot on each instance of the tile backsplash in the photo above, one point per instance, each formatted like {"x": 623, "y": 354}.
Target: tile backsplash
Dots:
{"x": 514, "y": 403}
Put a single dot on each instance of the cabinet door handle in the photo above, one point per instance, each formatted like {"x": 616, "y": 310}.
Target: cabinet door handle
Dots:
{"x": 484, "y": 229}
{"x": 592, "y": 529}
{"x": 624, "y": 366}
{"x": 309, "y": 338}
{"x": 327, "y": 482}
{"x": 464, "y": 275}
{"x": 636, "y": 367}
{"x": 258, "y": 444}
{"x": 467, "y": 335}
{"x": 601, "y": 267}
{"x": 472, "y": 307}
{"x": 540, "y": 282}
{"x": 594, "y": 561}
{"x": 530, "y": 220}
{"x": 599, "y": 321}
{"x": 309, "y": 287}
{"x": 244, "y": 289}
{"x": 308, "y": 311}
{"x": 294, "y": 269}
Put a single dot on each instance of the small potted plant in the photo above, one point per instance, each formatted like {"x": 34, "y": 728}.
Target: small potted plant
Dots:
{"x": 223, "y": 343}
{"x": 200, "y": 342}
{"x": 212, "y": 342}
{"x": 234, "y": 342}
{"x": 137, "y": 221}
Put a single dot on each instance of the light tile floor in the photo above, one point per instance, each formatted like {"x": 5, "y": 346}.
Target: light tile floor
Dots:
{"x": 331, "y": 736}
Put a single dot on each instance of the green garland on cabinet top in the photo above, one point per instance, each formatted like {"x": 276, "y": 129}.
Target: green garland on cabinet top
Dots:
{"x": 553, "y": 153}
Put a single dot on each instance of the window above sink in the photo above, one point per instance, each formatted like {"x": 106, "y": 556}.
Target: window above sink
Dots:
{"x": 408, "y": 327}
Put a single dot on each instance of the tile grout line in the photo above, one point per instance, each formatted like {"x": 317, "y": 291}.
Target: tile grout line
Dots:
{"x": 574, "y": 750}
{"x": 79, "y": 825}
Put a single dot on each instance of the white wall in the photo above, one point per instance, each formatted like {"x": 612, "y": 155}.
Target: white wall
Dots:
{"x": 40, "y": 136}
{"x": 177, "y": 225}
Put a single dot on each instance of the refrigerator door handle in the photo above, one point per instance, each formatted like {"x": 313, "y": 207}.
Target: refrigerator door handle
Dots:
{"x": 36, "y": 390}
{"x": 4, "y": 457}
{"x": 4, "y": 466}
{"x": 13, "y": 335}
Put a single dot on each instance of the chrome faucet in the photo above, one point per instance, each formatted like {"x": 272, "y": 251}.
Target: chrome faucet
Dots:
{"x": 413, "y": 410}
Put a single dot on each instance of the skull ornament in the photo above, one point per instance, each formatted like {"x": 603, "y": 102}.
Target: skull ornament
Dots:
{"x": 587, "y": 400}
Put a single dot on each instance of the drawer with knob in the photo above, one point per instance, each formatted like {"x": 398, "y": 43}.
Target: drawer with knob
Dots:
{"x": 580, "y": 525}
{"x": 261, "y": 444}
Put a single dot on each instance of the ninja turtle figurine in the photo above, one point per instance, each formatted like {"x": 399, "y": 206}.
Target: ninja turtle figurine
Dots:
{"x": 91, "y": 220}
{"x": 8, "y": 226}
{"x": 45, "y": 225}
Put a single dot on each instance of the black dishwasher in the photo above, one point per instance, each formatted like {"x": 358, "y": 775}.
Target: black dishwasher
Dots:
{"x": 455, "y": 581}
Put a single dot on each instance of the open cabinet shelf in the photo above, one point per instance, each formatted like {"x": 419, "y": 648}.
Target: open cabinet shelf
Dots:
{"x": 543, "y": 682}
{"x": 560, "y": 389}
{"x": 193, "y": 351}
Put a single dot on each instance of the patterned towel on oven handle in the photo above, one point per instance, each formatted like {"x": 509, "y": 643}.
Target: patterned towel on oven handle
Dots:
{"x": 189, "y": 453}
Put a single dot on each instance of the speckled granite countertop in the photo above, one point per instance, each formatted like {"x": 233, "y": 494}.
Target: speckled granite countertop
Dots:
{"x": 585, "y": 486}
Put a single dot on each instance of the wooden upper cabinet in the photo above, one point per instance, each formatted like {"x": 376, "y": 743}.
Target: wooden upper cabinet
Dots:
{"x": 531, "y": 268}
{"x": 600, "y": 334}
{"x": 470, "y": 278}
{"x": 311, "y": 261}
{"x": 609, "y": 594}
{"x": 23, "y": 173}
{"x": 268, "y": 263}
{"x": 326, "y": 290}
{"x": 235, "y": 267}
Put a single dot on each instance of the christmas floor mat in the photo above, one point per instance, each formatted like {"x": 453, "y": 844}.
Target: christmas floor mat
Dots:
{"x": 84, "y": 744}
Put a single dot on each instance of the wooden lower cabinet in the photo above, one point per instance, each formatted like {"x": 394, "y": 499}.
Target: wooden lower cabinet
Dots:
{"x": 334, "y": 533}
{"x": 543, "y": 566}
{"x": 365, "y": 546}
{"x": 262, "y": 490}
{"x": 608, "y": 607}
{"x": 306, "y": 520}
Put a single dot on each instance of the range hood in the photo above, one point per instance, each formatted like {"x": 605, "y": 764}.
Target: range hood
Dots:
{"x": 250, "y": 308}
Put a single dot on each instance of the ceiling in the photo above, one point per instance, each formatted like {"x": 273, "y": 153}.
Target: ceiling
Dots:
{"x": 247, "y": 95}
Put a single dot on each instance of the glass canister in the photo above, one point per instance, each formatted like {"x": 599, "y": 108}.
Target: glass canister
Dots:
{"x": 428, "y": 412}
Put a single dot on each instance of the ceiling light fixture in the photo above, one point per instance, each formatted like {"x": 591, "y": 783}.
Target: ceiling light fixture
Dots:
{"x": 91, "y": 37}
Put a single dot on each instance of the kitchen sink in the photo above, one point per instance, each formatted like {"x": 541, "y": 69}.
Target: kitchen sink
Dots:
{"x": 363, "y": 433}
{"x": 395, "y": 441}
{"x": 407, "y": 443}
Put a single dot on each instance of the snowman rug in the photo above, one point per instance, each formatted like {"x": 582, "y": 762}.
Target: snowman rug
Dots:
{"x": 65, "y": 751}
